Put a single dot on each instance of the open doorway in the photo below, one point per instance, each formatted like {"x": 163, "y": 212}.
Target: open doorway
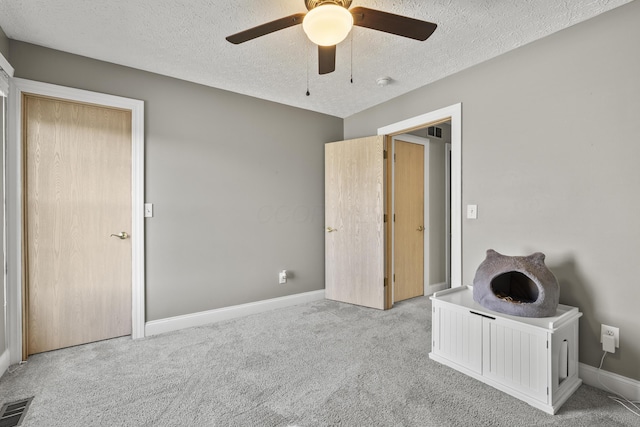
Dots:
{"x": 358, "y": 206}
{"x": 451, "y": 150}
{"x": 421, "y": 209}
{"x": 438, "y": 205}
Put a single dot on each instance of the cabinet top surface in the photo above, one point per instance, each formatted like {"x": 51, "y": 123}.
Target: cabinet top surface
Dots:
{"x": 463, "y": 296}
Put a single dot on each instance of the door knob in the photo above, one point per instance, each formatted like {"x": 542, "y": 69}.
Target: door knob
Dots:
{"x": 420, "y": 228}
{"x": 122, "y": 235}
{"x": 331, "y": 229}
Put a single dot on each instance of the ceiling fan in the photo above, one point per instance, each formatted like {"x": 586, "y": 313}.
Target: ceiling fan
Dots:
{"x": 328, "y": 22}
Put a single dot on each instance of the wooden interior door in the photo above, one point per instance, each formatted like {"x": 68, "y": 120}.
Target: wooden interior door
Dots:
{"x": 409, "y": 227}
{"x": 354, "y": 219}
{"x": 77, "y": 193}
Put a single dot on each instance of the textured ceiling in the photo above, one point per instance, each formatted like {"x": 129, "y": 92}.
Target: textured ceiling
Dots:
{"x": 186, "y": 39}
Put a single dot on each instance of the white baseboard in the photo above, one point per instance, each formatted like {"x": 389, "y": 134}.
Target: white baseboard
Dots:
{"x": 156, "y": 327}
{"x": 627, "y": 387}
{"x": 4, "y": 362}
{"x": 431, "y": 289}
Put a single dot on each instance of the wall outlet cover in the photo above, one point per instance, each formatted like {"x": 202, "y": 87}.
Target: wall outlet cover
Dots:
{"x": 472, "y": 211}
{"x": 611, "y": 331}
{"x": 282, "y": 277}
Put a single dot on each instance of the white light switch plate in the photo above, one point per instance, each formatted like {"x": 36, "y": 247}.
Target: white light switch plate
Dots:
{"x": 472, "y": 211}
{"x": 148, "y": 210}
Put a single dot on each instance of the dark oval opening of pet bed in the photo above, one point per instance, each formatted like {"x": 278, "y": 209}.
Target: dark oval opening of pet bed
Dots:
{"x": 515, "y": 287}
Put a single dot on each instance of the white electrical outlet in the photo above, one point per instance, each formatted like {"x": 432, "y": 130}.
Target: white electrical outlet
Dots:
{"x": 611, "y": 331}
{"x": 282, "y": 277}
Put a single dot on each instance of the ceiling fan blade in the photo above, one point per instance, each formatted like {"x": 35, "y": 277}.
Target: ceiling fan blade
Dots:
{"x": 264, "y": 29}
{"x": 326, "y": 59}
{"x": 393, "y": 24}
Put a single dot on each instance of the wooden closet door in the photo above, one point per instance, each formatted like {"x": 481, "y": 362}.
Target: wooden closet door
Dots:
{"x": 77, "y": 174}
{"x": 409, "y": 221}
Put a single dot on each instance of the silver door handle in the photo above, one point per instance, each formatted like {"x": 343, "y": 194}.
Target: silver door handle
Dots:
{"x": 331, "y": 229}
{"x": 122, "y": 235}
{"x": 420, "y": 228}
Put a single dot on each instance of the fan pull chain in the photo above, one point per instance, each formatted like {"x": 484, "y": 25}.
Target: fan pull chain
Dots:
{"x": 307, "y": 55}
{"x": 351, "y": 56}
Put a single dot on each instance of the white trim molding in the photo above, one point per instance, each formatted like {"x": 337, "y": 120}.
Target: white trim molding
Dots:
{"x": 176, "y": 323}
{"x": 453, "y": 113}
{"x": 14, "y": 197}
{"x": 627, "y": 387}
{"x": 4, "y": 362}
{"x": 4, "y": 64}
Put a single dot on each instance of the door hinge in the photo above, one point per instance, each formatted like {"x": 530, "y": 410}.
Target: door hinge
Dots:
{"x": 547, "y": 391}
{"x": 394, "y": 217}
{"x": 547, "y": 343}
{"x": 385, "y": 281}
{"x": 384, "y": 154}
{"x": 394, "y": 157}
{"x": 394, "y": 277}
{"x": 385, "y": 217}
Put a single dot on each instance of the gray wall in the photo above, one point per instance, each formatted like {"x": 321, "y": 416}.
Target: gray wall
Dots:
{"x": 237, "y": 184}
{"x": 550, "y": 155}
{"x": 436, "y": 206}
{"x": 4, "y": 49}
{"x": 3, "y": 344}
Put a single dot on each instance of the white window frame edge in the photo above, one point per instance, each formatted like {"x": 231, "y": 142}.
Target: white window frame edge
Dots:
{"x": 4, "y": 64}
{"x": 14, "y": 204}
{"x": 454, "y": 113}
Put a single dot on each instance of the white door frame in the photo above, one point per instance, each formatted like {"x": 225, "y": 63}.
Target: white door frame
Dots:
{"x": 14, "y": 201}
{"x": 425, "y": 143}
{"x": 454, "y": 114}
{"x": 447, "y": 214}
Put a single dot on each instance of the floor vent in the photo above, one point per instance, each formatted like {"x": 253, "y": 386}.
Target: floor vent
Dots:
{"x": 12, "y": 414}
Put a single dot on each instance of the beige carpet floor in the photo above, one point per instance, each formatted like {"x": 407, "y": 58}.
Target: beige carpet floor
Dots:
{"x": 318, "y": 364}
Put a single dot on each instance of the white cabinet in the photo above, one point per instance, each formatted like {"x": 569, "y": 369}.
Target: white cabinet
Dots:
{"x": 532, "y": 359}
{"x": 457, "y": 336}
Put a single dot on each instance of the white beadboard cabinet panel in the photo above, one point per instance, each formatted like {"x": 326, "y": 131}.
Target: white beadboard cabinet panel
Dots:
{"x": 532, "y": 359}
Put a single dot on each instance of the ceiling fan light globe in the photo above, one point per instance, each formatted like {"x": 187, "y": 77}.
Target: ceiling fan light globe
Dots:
{"x": 327, "y": 24}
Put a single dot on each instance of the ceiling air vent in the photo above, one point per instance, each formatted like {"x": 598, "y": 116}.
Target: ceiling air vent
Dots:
{"x": 434, "y": 131}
